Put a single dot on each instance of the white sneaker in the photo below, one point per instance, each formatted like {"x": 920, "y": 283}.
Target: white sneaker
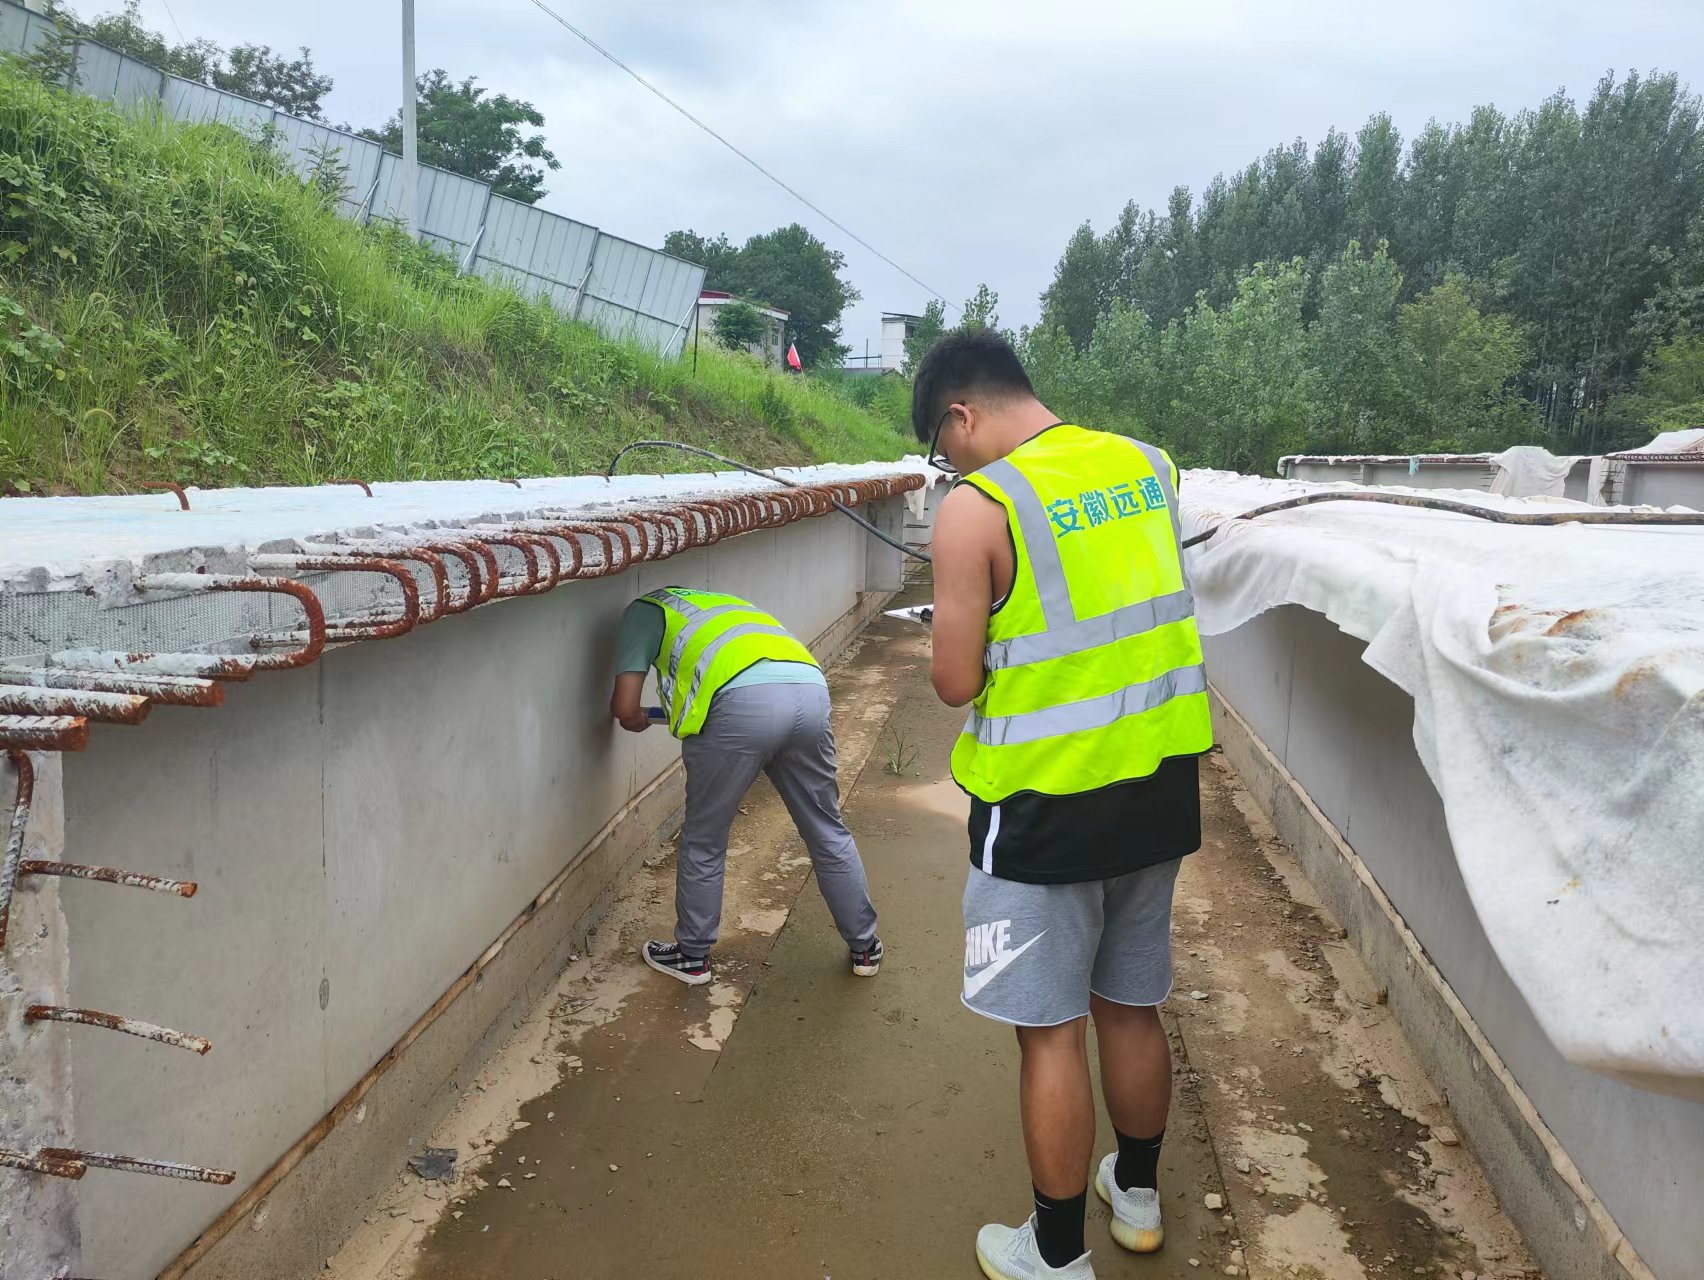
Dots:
{"x": 1135, "y": 1213}
{"x": 1010, "y": 1253}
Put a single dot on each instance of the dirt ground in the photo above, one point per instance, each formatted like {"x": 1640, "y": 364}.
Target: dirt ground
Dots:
{"x": 793, "y": 1121}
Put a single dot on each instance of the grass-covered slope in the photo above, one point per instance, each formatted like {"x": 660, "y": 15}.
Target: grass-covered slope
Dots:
{"x": 176, "y": 305}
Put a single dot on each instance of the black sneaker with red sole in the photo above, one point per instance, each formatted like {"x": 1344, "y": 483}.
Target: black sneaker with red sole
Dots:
{"x": 667, "y": 957}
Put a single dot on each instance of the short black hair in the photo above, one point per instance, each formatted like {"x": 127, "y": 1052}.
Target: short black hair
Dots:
{"x": 964, "y": 363}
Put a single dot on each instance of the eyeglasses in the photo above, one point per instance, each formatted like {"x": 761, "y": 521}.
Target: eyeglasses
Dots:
{"x": 937, "y": 459}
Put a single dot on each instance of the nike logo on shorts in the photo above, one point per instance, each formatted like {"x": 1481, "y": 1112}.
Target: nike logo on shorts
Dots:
{"x": 974, "y": 982}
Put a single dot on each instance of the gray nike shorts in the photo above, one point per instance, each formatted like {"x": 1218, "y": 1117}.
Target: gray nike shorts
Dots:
{"x": 1034, "y": 952}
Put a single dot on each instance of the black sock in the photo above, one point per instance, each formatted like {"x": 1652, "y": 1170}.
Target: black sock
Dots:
{"x": 1138, "y": 1161}
{"x": 1059, "y": 1227}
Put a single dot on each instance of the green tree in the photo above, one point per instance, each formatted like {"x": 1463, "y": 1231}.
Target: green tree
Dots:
{"x": 740, "y": 325}
{"x": 929, "y": 330}
{"x": 463, "y": 130}
{"x": 791, "y": 269}
{"x": 1247, "y": 389}
{"x": 1081, "y": 288}
{"x": 125, "y": 32}
{"x": 1458, "y": 369}
{"x": 290, "y": 84}
{"x": 787, "y": 268}
{"x": 1669, "y": 395}
{"x": 718, "y": 257}
{"x": 980, "y": 310}
{"x": 1355, "y": 352}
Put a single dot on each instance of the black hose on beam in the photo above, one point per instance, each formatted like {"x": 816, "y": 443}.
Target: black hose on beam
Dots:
{"x": 1465, "y": 509}
{"x": 692, "y": 448}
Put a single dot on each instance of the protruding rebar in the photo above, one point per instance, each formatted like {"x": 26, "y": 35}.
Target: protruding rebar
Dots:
{"x": 44, "y": 733}
{"x": 108, "y": 875}
{"x": 134, "y": 1164}
{"x": 15, "y": 837}
{"x": 40, "y": 1163}
{"x": 117, "y": 1022}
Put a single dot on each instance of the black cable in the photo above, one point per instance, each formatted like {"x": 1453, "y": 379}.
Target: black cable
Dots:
{"x": 815, "y": 208}
{"x": 692, "y": 448}
{"x": 1464, "y": 509}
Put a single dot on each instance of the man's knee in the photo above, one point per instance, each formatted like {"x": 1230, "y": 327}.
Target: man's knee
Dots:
{"x": 1131, "y": 1016}
{"x": 1065, "y": 1039}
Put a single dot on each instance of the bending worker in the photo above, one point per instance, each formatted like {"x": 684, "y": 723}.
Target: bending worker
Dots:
{"x": 1062, "y": 614}
{"x": 743, "y": 696}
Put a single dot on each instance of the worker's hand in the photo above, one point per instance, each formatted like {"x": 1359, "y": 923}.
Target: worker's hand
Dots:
{"x": 636, "y": 724}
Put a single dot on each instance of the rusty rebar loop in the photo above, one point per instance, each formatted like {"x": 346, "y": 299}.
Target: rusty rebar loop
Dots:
{"x": 108, "y": 875}
{"x": 44, "y": 733}
{"x": 168, "y": 486}
{"x": 549, "y": 533}
{"x": 474, "y": 556}
{"x": 896, "y": 484}
{"x": 309, "y": 651}
{"x": 606, "y": 542}
{"x": 41, "y": 1163}
{"x": 627, "y": 532}
{"x": 379, "y": 628}
{"x": 704, "y": 523}
{"x": 550, "y": 571}
{"x": 135, "y": 1164}
{"x": 117, "y": 1022}
{"x": 508, "y": 588}
{"x": 1530, "y": 518}
{"x": 440, "y": 603}
{"x": 106, "y": 708}
{"x": 171, "y": 691}
{"x": 635, "y": 536}
{"x": 14, "y": 854}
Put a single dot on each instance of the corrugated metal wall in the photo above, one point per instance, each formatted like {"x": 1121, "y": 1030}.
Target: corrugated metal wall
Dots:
{"x": 622, "y": 289}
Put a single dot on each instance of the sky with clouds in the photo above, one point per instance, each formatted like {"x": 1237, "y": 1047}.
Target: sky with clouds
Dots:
{"x": 966, "y": 139}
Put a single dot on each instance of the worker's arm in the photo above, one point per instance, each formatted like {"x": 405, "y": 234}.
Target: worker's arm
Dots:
{"x": 968, "y": 528}
{"x": 636, "y": 645}
{"x": 624, "y": 703}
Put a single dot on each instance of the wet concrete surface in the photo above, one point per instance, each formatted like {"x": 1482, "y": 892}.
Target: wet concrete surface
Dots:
{"x": 791, "y": 1120}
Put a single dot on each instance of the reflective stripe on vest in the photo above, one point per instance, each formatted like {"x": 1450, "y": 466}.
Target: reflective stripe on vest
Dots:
{"x": 1091, "y": 713}
{"x": 715, "y": 647}
{"x": 698, "y": 618}
{"x": 1076, "y": 725}
{"x": 719, "y": 636}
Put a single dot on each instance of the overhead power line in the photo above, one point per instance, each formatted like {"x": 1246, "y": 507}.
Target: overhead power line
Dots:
{"x": 792, "y": 191}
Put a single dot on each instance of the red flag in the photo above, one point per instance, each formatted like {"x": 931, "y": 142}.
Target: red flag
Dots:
{"x": 793, "y": 361}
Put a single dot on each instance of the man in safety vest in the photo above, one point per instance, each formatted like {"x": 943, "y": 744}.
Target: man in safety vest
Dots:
{"x": 743, "y": 696}
{"x": 1062, "y": 615}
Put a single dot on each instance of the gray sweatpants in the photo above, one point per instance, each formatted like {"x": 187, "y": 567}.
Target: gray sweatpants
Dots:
{"x": 784, "y": 731}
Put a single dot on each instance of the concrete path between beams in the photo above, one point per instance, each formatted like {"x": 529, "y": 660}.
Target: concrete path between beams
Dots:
{"x": 793, "y": 1121}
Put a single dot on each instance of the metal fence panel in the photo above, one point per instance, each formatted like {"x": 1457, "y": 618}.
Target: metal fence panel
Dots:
{"x": 202, "y": 104}
{"x": 619, "y": 273}
{"x": 673, "y": 287}
{"x": 20, "y": 30}
{"x": 122, "y": 81}
{"x": 539, "y": 254}
{"x": 452, "y": 209}
{"x": 305, "y": 139}
{"x": 624, "y": 290}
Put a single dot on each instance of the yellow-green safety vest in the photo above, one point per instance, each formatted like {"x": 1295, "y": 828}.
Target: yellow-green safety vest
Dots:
{"x": 708, "y": 639}
{"x": 1094, "y": 671}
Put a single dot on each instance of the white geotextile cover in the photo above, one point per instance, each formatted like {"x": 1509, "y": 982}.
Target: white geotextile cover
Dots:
{"x": 1558, "y": 683}
{"x": 1527, "y": 471}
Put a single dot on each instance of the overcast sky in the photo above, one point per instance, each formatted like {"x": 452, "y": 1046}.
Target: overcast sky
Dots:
{"x": 965, "y": 139}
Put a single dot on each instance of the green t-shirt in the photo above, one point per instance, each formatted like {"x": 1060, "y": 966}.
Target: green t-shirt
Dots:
{"x": 641, "y": 637}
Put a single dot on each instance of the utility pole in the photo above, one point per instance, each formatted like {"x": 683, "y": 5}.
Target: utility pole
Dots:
{"x": 410, "y": 143}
